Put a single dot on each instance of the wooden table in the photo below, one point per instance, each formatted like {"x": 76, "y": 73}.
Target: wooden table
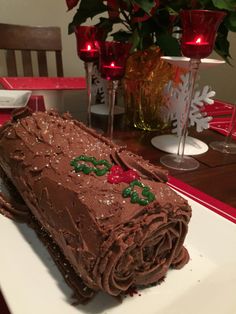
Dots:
{"x": 216, "y": 175}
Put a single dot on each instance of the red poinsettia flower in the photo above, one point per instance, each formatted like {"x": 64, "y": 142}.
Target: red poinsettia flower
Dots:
{"x": 137, "y": 17}
{"x": 145, "y": 17}
{"x": 113, "y": 9}
{"x": 71, "y": 4}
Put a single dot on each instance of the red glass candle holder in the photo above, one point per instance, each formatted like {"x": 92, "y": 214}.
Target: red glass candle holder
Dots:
{"x": 113, "y": 59}
{"x": 199, "y": 32}
{"x": 112, "y": 67}
{"x": 87, "y": 38}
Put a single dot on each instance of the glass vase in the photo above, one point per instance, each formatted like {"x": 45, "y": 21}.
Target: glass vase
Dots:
{"x": 145, "y": 78}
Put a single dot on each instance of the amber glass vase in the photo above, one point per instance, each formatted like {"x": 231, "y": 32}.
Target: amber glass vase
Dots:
{"x": 145, "y": 78}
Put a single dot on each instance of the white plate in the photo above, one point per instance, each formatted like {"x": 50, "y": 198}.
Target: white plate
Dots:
{"x": 32, "y": 284}
{"x": 183, "y": 62}
{"x": 14, "y": 98}
{"x": 169, "y": 143}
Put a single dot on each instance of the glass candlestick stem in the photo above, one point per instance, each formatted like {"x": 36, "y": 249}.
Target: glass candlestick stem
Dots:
{"x": 180, "y": 161}
{"x": 194, "y": 66}
{"x": 227, "y": 146}
{"x": 112, "y": 89}
{"x": 88, "y": 70}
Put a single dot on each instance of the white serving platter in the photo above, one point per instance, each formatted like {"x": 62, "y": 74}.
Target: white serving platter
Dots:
{"x": 14, "y": 98}
{"x": 31, "y": 283}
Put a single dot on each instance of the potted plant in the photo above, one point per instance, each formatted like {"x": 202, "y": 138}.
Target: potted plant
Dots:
{"x": 147, "y": 22}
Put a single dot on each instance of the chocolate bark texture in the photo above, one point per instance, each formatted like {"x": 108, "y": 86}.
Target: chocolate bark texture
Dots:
{"x": 110, "y": 239}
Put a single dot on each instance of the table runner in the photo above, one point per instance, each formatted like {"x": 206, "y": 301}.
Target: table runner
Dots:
{"x": 43, "y": 83}
{"x": 206, "y": 200}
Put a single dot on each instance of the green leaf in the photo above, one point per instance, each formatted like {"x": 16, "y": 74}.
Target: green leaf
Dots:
{"x": 206, "y": 4}
{"x": 176, "y": 6}
{"x": 230, "y": 21}
{"x": 229, "y": 5}
{"x": 106, "y": 24}
{"x": 87, "y": 9}
{"x": 135, "y": 40}
{"x": 168, "y": 45}
{"x": 146, "y": 5}
{"x": 121, "y": 36}
{"x": 222, "y": 47}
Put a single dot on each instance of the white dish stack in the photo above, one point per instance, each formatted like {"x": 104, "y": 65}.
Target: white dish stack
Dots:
{"x": 14, "y": 98}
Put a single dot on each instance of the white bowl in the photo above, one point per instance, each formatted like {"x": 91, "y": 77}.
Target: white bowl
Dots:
{"x": 14, "y": 98}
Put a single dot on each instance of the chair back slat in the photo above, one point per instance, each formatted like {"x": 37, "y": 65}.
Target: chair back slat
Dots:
{"x": 31, "y": 39}
{"x": 11, "y": 63}
{"x": 59, "y": 64}
{"x": 27, "y": 63}
{"x": 42, "y": 63}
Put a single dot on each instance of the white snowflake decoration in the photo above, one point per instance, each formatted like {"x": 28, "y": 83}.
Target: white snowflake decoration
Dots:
{"x": 98, "y": 86}
{"x": 175, "y": 99}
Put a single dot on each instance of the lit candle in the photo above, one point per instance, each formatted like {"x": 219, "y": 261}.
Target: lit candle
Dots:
{"x": 112, "y": 71}
{"x": 88, "y": 53}
{"x": 197, "y": 48}
{"x": 112, "y": 66}
{"x": 89, "y": 49}
{"x": 198, "y": 41}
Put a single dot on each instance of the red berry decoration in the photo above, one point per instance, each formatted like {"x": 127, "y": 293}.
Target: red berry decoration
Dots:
{"x": 118, "y": 175}
{"x": 130, "y": 175}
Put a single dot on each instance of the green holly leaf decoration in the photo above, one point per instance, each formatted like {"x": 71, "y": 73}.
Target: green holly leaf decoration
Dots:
{"x": 88, "y": 164}
{"x": 144, "y": 199}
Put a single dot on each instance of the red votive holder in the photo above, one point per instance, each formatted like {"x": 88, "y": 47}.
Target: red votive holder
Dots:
{"x": 87, "y": 38}
{"x": 113, "y": 59}
{"x": 199, "y": 32}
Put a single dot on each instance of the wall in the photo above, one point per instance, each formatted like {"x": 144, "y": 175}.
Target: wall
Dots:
{"x": 49, "y": 13}
{"x": 54, "y": 13}
{"x": 222, "y": 77}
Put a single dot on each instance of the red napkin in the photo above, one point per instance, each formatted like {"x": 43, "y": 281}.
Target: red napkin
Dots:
{"x": 221, "y": 125}
{"x": 219, "y": 108}
{"x": 36, "y": 103}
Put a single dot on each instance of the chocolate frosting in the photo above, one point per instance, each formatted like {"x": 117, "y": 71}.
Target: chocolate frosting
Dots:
{"x": 110, "y": 243}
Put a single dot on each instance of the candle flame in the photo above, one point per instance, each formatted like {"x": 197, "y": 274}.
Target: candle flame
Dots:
{"x": 112, "y": 64}
{"x": 89, "y": 47}
{"x": 198, "y": 40}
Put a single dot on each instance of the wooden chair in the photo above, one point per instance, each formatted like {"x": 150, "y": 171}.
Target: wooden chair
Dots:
{"x": 29, "y": 40}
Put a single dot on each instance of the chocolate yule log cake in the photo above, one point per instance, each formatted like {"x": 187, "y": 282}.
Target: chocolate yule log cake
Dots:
{"x": 109, "y": 214}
